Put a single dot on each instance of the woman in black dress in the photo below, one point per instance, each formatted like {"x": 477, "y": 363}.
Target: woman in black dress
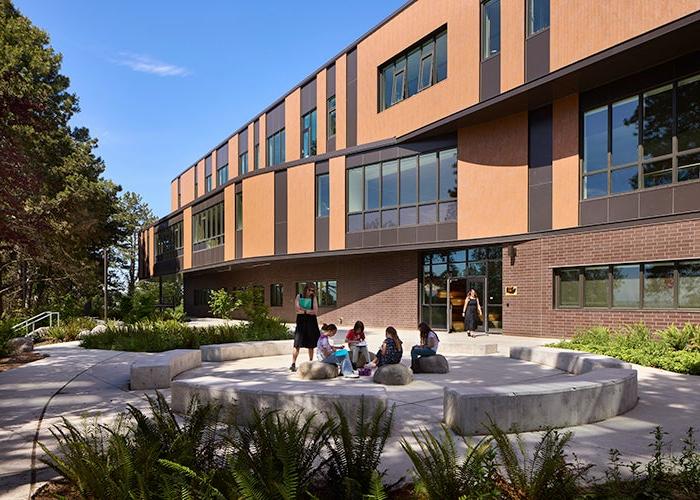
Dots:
{"x": 472, "y": 308}
{"x": 306, "y": 333}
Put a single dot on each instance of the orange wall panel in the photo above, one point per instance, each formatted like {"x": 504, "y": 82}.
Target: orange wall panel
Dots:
{"x": 259, "y": 215}
{"x": 321, "y": 112}
{"x": 292, "y": 125}
{"x": 459, "y": 90}
{"x": 214, "y": 177}
{"x": 173, "y": 196}
{"x": 263, "y": 140}
{"x": 492, "y": 178}
{"x": 187, "y": 187}
{"x": 512, "y": 44}
{"x": 582, "y": 28}
{"x": 200, "y": 177}
{"x": 229, "y": 222}
{"x": 233, "y": 157}
{"x": 301, "y": 216}
{"x": 251, "y": 145}
{"x": 341, "y": 93}
{"x": 336, "y": 221}
{"x": 151, "y": 251}
{"x": 187, "y": 238}
{"x": 565, "y": 164}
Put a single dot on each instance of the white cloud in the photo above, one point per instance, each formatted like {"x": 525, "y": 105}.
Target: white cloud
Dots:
{"x": 146, "y": 64}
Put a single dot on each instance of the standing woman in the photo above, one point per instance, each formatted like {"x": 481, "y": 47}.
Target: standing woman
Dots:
{"x": 306, "y": 333}
{"x": 471, "y": 312}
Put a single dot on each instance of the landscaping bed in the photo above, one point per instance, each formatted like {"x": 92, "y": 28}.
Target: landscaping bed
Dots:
{"x": 10, "y": 362}
{"x": 674, "y": 349}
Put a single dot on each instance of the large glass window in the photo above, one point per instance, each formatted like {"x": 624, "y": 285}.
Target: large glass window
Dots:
{"x": 208, "y": 183}
{"x": 656, "y": 285}
{"x": 308, "y": 134}
{"x": 490, "y": 28}
{"x": 208, "y": 228}
{"x": 322, "y": 196}
{"x": 243, "y": 163}
{"x": 276, "y": 295}
{"x": 417, "y": 68}
{"x": 256, "y": 156}
{"x": 169, "y": 242}
{"x": 423, "y": 187}
{"x": 330, "y": 106}
{"x": 615, "y": 134}
{"x": 276, "y": 148}
{"x": 222, "y": 175}
{"x": 239, "y": 211}
{"x": 326, "y": 291}
{"x": 537, "y": 16}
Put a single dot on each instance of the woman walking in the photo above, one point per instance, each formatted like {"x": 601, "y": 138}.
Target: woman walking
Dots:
{"x": 306, "y": 333}
{"x": 471, "y": 312}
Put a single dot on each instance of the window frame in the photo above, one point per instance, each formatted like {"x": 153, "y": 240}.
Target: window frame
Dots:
{"x": 169, "y": 242}
{"x": 273, "y": 142}
{"x": 276, "y": 290}
{"x": 482, "y": 57}
{"x": 312, "y": 132}
{"x": 330, "y": 112}
{"x": 529, "y": 19}
{"x": 299, "y": 286}
{"x": 319, "y": 178}
{"x": 208, "y": 228}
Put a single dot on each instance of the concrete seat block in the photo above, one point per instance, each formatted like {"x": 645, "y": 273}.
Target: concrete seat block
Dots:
{"x": 576, "y": 362}
{"x": 155, "y": 371}
{"x": 395, "y": 374}
{"x": 433, "y": 364}
{"x": 243, "y": 350}
{"x": 317, "y": 370}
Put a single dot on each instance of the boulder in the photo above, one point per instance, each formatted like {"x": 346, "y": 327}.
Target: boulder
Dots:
{"x": 83, "y": 333}
{"x": 432, "y": 364}
{"x": 317, "y": 370}
{"x": 39, "y": 333}
{"x": 99, "y": 329}
{"x": 19, "y": 345}
{"x": 396, "y": 374}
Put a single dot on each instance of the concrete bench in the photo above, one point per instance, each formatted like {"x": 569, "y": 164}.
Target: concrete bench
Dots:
{"x": 559, "y": 401}
{"x": 238, "y": 400}
{"x": 243, "y": 350}
{"x": 155, "y": 371}
{"x": 576, "y": 362}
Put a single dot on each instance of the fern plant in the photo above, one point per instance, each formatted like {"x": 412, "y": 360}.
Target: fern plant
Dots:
{"x": 356, "y": 448}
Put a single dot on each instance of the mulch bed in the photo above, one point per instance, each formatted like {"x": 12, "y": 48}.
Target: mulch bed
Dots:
{"x": 56, "y": 489}
{"x": 11, "y": 362}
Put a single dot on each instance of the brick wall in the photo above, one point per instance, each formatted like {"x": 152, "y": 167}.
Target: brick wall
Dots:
{"x": 531, "y": 312}
{"x": 379, "y": 289}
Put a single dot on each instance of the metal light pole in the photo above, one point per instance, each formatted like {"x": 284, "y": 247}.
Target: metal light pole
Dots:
{"x": 104, "y": 253}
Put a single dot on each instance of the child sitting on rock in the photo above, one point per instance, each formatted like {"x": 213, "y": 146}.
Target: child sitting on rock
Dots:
{"x": 391, "y": 350}
{"x": 325, "y": 351}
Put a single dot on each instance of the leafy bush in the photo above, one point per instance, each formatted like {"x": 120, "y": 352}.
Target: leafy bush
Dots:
{"x": 6, "y": 333}
{"x": 158, "y": 336}
{"x": 222, "y": 303}
{"x": 172, "y": 313}
{"x": 672, "y": 349}
{"x": 69, "y": 329}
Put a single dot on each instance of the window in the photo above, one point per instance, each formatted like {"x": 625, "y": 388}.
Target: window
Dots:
{"x": 208, "y": 228}
{"x": 275, "y": 148}
{"x": 656, "y": 285}
{"x": 169, "y": 242}
{"x": 222, "y": 175}
{"x": 243, "y": 163}
{"x": 537, "y": 16}
{"x": 207, "y": 184}
{"x": 207, "y": 174}
{"x": 322, "y": 196}
{"x": 421, "y": 66}
{"x": 406, "y": 192}
{"x": 201, "y": 297}
{"x": 326, "y": 291}
{"x": 276, "y": 294}
{"x": 490, "y": 29}
{"x": 239, "y": 211}
{"x": 308, "y": 134}
{"x": 629, "y": 144}
{"x": 256, "y": 156}
{"x": 330, "y": 106}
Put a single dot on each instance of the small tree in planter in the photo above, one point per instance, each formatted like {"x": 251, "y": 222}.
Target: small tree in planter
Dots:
{"x": 222, "y": 304}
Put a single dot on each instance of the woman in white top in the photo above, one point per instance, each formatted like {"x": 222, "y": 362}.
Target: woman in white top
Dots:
{"x": 428, "y": 346}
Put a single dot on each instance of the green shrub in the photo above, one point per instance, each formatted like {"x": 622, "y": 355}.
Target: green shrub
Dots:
{"x": 222, "y": 303}
{"x": 69, "y": 329}
{"x": 172, "y": 313}
{"x": 6, "y": 333}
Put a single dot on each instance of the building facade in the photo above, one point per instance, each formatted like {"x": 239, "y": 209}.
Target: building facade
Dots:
{"x": 543, "y": 152}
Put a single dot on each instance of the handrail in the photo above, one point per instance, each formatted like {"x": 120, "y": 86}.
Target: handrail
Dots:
{"x": 36, "y": 318}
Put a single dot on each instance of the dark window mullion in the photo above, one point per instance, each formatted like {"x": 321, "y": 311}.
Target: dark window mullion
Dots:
{"x": 641, "y": 286}
{"x": 581, "y": 287}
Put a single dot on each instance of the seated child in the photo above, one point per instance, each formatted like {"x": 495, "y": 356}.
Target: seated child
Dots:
{"x": 326, "y": 351}
{"x": 391, "y": 350}
{"x": 359, "y": 354}
{"x": 428, "y": 346}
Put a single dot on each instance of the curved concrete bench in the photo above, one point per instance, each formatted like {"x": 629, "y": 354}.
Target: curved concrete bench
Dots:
{"x": 596, "y": 388}
{"x": 243, "y": 350}
{"x": 155, "y": 371}
{"x": 239, "y": 400}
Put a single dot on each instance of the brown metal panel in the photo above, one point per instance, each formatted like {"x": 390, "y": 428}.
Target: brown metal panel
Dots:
{"x": 389, "y": 237}
{"x": 540, "y": 207}
{"x": 351, "y": 99}
{"x": 322, "y": 229}
{"x": 322, "y": 167}
{"x": 281, "y": 238}
{"x": 301, "y": 208}
{"x": 239, "y": 244}
{"x": 537, "y": 55}
{"x": 353, "y": 240}
{"x": 242, "y": 142}
{"x": 490, "y": 83}
{"x": 336, "y": 178}
{"x": 210, "y": 202}
{"x": 686, "y": 197}
{"x": 407, "y": 235}
{"x": 308, "y": 97}
{"x": 274, "y": 119}
{"x": 354, "y": 161}
{"x": 447, "y": 231}
{"x": 623, "y": 207}
{"x": 427, "y": 233}
{"x": 229, "y": 222}
{"x": 330, "y": 81}
{"x": 656, "y": 202}
{"x": 594, "y": 211}
{"x": 370, "y": 239}
{"x": 208, "y": 257}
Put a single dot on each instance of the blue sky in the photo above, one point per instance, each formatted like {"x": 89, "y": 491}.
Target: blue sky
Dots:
{"x": 162, "y": 82}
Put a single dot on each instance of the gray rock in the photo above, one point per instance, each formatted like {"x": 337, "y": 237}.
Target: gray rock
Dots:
{"x": 99, "y": 329}
{"x": 317, "y": 370}
{"x": 433, "y": 364}
{"x": 39, "y": 333}
{"x": 83, "y": 333}
{"x": 397, "y": 374}
{"x": 18, "y": 345}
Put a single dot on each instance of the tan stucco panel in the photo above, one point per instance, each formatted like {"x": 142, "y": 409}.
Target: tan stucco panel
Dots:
{"x": 173, "y": 196}
{"x": 200, "y": 178}
{"x": 259, "y": 215}
{"x": 214, "y": 180}
{"x": 492, "y": 179}
{"x": 512, "y": 44}
{"x": 229, "y": 222}
{"x": 321, "y": 112}
{"x": 187, "y": 238}
{"x": 459, "y": 90}
{"x": 292, "y": 125}
{"x": 301, "y": 215}
{"x": 336, "y": 220}
{"x": 151, "y": 251}
{"x": 341, "y": 93}
{"x": 582, "y": 28}
{"x": 251, "y": 145}
{"x": 565, "y": 162}
{"x": 233, "y": 157}
{"x": 262, "y": 129}
{"x": 187, "y": 186}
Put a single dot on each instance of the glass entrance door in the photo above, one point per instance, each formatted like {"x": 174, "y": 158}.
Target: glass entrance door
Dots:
{"x": 479, "y": 284}
{"x": 456, "y": 292}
